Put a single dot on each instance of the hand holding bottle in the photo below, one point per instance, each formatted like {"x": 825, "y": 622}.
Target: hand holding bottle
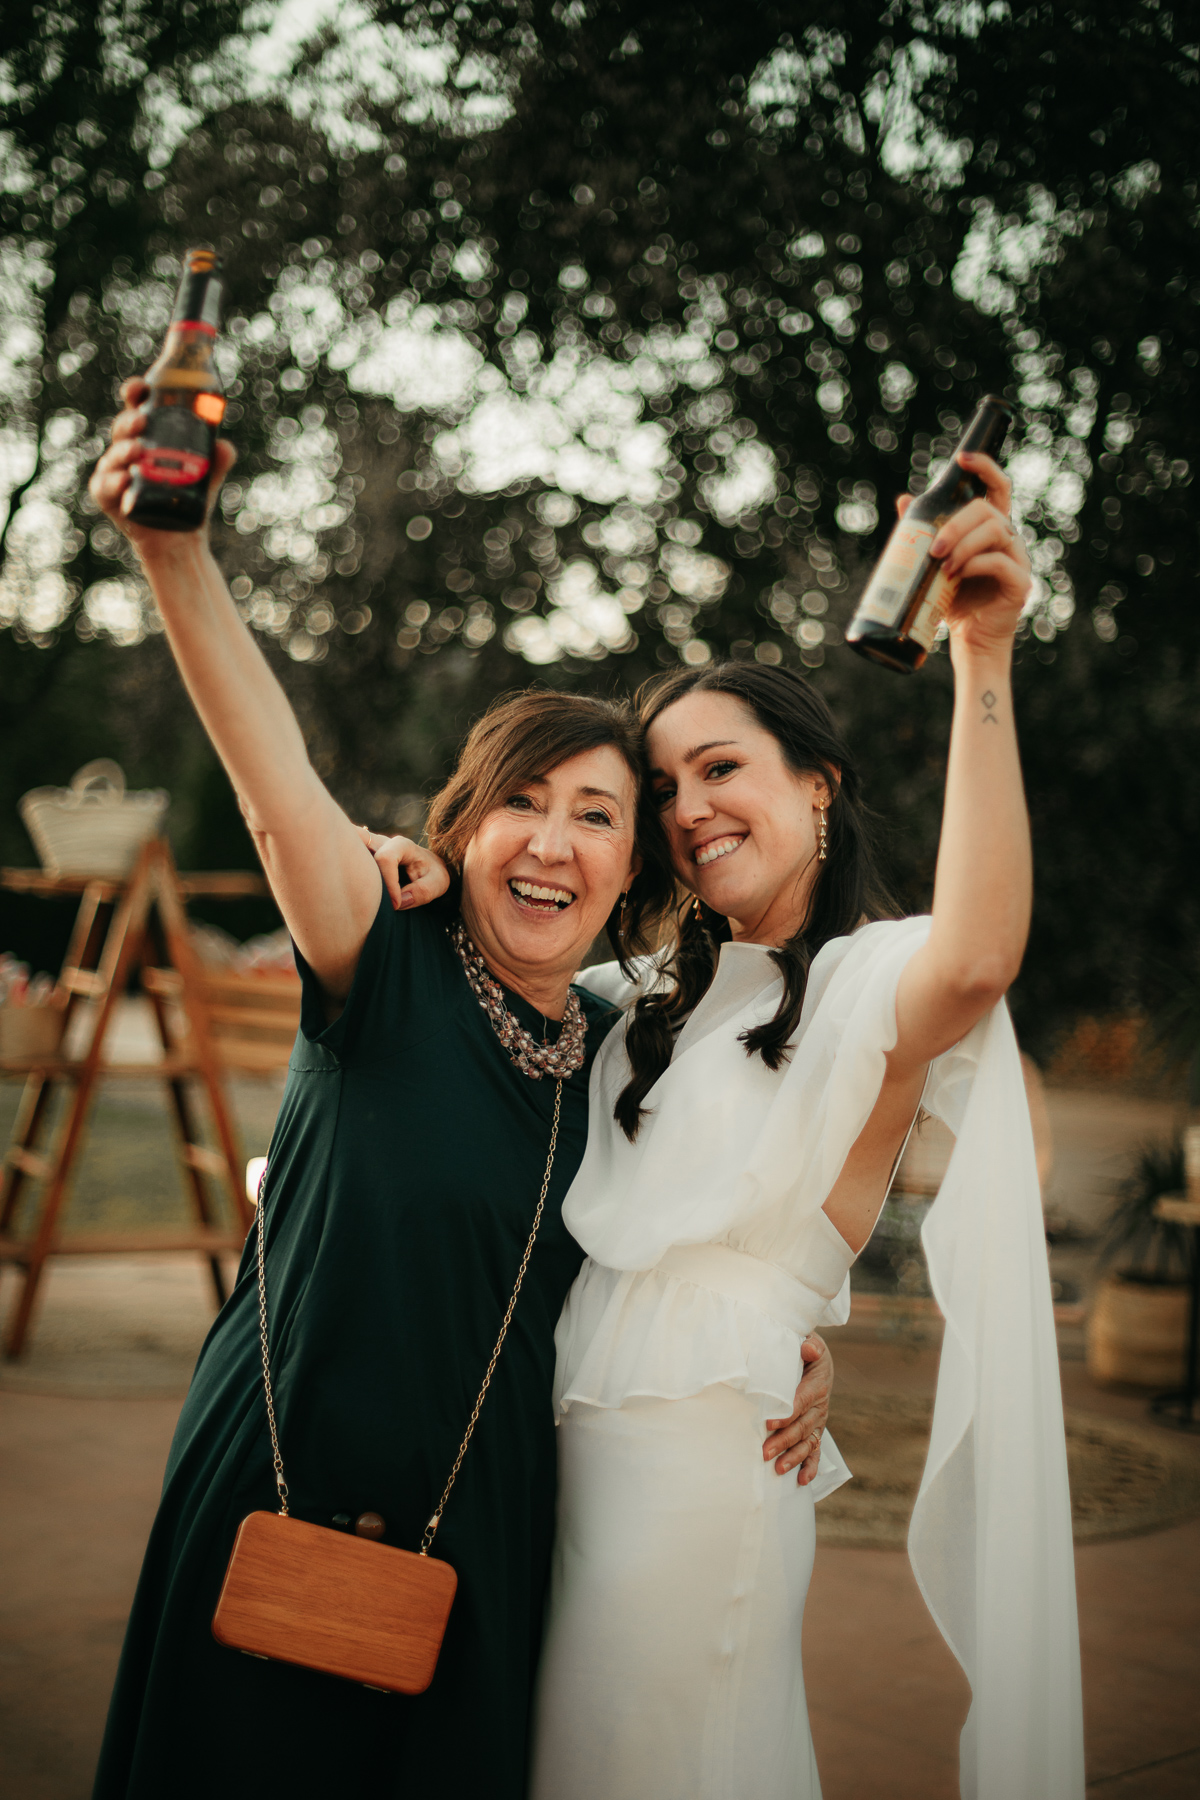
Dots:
{"x": 111, "y": 485}
{"x": 912, "y": 588}
{"x": 983, "y": 557}
{"x": 166, "y": 462}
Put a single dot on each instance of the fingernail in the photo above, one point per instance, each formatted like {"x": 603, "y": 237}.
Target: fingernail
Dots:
{"x": 406, "y": 898}
{"x": 938, "y": 547}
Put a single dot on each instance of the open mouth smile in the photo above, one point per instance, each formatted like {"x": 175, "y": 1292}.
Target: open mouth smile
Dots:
{"x": 541, "y": 899}
{"x": 715, "y": 849}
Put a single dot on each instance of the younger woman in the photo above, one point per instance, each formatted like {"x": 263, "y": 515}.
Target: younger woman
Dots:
{"x": 744, "y": 1127}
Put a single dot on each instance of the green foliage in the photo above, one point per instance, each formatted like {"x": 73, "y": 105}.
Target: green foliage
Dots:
{"x": 701, "y": 242}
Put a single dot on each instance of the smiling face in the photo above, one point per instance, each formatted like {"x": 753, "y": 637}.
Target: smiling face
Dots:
{"x": 741, "y": 824}
{"x": 544, "y": 869}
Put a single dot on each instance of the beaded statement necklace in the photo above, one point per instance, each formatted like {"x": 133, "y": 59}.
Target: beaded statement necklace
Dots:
{"x": 559, "y": 1059}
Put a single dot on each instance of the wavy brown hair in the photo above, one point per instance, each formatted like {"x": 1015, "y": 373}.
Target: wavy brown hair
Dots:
{"x": 520, "y": 738}
{"x": 847, "y": 890}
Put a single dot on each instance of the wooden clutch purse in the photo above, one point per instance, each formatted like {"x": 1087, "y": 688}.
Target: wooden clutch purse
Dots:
{"x": 301, "y": 1593}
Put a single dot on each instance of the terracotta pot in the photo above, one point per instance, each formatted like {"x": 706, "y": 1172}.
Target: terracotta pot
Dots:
{"x": 1137, "y": 1333}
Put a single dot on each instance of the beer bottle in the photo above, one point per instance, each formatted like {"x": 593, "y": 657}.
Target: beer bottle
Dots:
{"x": 185, "y": 405}
{"x": 907, "y": 595}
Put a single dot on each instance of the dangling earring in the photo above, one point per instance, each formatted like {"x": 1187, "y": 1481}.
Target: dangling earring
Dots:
{"x": 821, "y": 834}
{"x": 699, "y": 916}
{"x": 621, "y": 915}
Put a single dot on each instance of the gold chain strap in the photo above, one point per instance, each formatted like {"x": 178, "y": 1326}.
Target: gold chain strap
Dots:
{"x": 276, "y": 1458}
{"x": 436, "y": 1519}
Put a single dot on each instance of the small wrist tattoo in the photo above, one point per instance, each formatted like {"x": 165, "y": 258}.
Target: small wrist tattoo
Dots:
{"x": 989, "y": 701}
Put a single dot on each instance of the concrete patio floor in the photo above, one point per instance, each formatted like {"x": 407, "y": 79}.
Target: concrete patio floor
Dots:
{"x": 86, "y": 1419}
{"x": 887, "y": 1699}
{"x": 79, "y": 1483}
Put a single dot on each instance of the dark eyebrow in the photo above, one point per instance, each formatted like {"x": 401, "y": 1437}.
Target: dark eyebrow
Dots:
{"x": 594, "y": 793}
{"x": 691, "y": 755}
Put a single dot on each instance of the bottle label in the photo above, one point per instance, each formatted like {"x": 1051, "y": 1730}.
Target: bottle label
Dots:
{"x": 170, "y": 467}
{"x": 932, "y": 610}
{"x": 887, "y": 593}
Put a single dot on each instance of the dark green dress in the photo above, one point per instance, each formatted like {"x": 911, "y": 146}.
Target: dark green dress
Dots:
{"x": 404, "y": 1173}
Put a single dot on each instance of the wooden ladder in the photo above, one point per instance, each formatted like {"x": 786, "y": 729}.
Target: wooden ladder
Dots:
{"x": 146, "y": 930}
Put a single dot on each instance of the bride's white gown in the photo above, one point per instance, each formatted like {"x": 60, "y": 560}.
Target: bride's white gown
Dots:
{"x": 671, "y": 1668}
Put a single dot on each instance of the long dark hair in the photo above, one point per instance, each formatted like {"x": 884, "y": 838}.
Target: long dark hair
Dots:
{"x": 523, "y": 736}
{"x": 848, "y": 887}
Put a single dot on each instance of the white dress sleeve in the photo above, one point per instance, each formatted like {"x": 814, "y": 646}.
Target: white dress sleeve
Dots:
{"x": 606, "y": 981}
{"x": 993, "y": 1555}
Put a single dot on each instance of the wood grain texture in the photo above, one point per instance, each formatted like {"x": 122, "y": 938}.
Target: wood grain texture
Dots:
{"x": 301, "y": 1593}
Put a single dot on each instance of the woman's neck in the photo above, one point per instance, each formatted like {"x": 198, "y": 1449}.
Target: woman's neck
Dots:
{"x": 546, "y": 993}
{"x": 545, "y": 989}
{"x": 784, "y": 915}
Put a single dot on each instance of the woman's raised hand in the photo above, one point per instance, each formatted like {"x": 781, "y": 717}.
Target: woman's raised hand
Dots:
{"x": 110, "y": 482}
{"x": 311, "y": 853}
{"x": 980, "y": 546}
{"x": 427, "y": 875}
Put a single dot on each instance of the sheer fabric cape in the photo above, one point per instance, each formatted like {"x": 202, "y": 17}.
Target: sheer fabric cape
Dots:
{"x": 731, "y": 1153}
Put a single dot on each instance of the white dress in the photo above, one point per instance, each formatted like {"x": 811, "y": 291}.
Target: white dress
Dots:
{"x": 671, "y": 1669}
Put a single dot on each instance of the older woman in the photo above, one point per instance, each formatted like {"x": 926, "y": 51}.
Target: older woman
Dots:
{"x": 437, "y": 1050}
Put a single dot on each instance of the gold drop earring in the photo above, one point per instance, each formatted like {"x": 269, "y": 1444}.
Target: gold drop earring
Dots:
{"x": 822, "y": 851}
{"x": 699, "y": 916}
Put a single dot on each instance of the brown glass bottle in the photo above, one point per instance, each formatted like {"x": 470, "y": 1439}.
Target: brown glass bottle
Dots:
{"x": 907, "y": 596}
{"x": 185, "y": 405}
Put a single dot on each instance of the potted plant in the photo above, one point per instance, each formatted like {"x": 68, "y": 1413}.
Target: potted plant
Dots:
{"x": 1137, "y": 1326}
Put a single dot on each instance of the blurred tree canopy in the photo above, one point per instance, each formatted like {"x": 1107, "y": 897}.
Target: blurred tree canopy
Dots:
{"x": 567, "y": 341}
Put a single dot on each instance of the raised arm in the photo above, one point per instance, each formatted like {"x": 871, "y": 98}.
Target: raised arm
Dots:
{"x": 321, "y": 874}
{"x": 984, "y": 885}
{"x": 983, "y": 890}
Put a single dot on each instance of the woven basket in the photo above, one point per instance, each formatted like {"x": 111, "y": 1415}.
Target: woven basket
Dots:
{"x": 30, "y": 1030}
{"x": 93, "y": 827}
